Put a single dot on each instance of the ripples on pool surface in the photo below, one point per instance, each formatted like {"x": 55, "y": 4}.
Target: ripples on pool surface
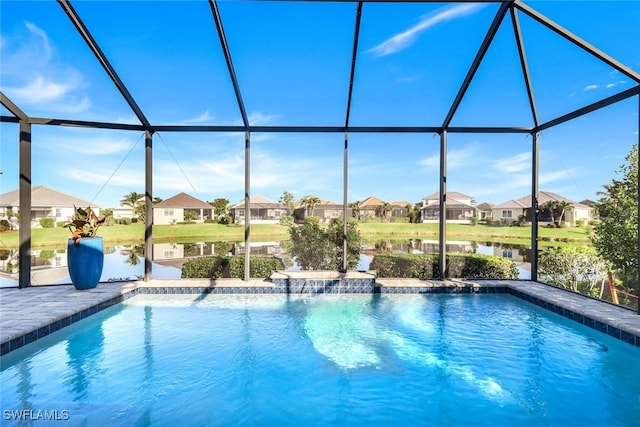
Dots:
{"x": 351, "y": 360}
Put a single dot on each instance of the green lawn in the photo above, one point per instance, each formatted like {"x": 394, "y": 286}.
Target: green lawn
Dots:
{"x": 185, "y": 233}
{"x": 473, "y": 232}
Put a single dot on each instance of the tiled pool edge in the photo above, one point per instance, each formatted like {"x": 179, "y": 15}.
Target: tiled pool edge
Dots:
{"x": 618, "y": 322}
{"x": 615, "y": 321}
{"x": 47, "y": 323}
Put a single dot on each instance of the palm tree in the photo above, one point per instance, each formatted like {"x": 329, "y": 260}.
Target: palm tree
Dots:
{"x": 564, "y": 206}
{"x": 133, "y": 253}
{"x": 310, "y": 202}
{"x": 550, "y": 205}
{"x": 355, "y": 209}
{"x": 385, "y": 209}
{"x": 132, "y": 199}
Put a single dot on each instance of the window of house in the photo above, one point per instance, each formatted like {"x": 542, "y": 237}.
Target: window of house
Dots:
{"x": 58, "y": 212}
{"x": 168, "y": 212}
{"x": 507, "y": 214}
{"x": 168, "y": 255}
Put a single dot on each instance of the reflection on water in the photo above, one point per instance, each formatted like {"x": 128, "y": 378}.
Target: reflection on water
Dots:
{"x": 122, "y": 263}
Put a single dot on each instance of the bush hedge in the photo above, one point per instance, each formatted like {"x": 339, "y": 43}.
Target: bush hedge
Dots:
{"x": 47, "y": 223}
{"x": 217, "y": 267}
{"x": 425, "y": 266}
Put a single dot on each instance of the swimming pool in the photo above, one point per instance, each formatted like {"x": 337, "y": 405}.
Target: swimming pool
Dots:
{"x": 212, "y": 359}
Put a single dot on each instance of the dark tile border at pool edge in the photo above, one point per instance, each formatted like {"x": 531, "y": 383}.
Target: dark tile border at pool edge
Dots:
{"x": 31, "y": 336}
{"x": 599, "y": 326}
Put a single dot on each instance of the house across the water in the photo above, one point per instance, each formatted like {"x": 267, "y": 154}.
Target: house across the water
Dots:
{"x": 46, "y": 203}
{"x": 181, "y": 208}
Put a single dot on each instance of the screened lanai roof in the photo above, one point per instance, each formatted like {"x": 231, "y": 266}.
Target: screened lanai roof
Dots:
{"x": 322, "y": 65}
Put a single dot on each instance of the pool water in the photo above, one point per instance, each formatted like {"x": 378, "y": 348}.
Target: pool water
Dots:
{"x": 345, "y": 360}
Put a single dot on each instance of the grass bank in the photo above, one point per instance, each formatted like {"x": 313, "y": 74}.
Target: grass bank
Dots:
{"x": 474, "y": 232}
{"x": 186, "y": 233}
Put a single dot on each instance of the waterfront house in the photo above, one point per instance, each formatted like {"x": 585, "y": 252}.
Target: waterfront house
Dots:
{"x": 512, "y": 210}
{"x": 460, "y": 208}
{"x": 326, "y": 211}
{"x": 180, "y": 208}
{"x": 45, "y": 203}
{"x": 261, "y": 210}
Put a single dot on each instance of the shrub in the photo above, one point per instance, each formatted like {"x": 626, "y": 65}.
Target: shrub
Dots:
{"x": 317, "y": 247}
{"x": 205, "y": 267}
{"x": 47, "y": 223}
{"x": 47, "y": 254}
{"x": 425, "y": 266}
{"x": 400, "y": 219}
{"x": 4, "y": 225}
{"x": 417, "y": 266}
{"x": 217, "y": 267}
{"x": 224, "y": 219}
{"x": 287, "y": 220}
{"x": 574, "y": 268}
{"x": 478, "y": 266}
{"x": 123, "y": 221}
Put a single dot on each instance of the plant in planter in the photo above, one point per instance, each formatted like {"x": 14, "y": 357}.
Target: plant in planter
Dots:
{"x": 85, "y": 250}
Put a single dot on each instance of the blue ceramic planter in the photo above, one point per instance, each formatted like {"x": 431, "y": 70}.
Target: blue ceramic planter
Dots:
{"x": 85, "y": 262}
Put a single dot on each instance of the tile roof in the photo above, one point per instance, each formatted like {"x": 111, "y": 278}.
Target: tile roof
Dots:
{"x": 371, "y": 202}
{"x": 511, "y": 204}
{"x": 545, "y": 196}
{"x": 183, "y": 200}
{"x": 450, "y": 195}
{"x": 258, "y": 201}
{"x": 44, "y": 197}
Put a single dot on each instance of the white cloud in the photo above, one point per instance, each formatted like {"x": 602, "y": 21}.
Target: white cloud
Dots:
{"x": 209, "y": 178}
{"x": 614, "y": 84}
{"x": 517, "y": 163}
{"x": 33, "y": 75}
{"x": 548, "y": 177}
{"x": 123, "y": 178}
{"x": 202, "y": 118}
{"x": 407, "y": 79}
{"x": 224, "y": 175}
{"x": 404, "y": 39}
{"x": 35, "y": 30}
{"x": 455, "y": 158}
{"x": 69, "y": 143}
{"x": 258, "y": 118}
{"x": 590, "y": 87}
{"x": 41, "y": 90}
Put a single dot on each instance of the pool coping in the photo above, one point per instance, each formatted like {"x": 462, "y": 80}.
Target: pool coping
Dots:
{"x": 29, "y": 314}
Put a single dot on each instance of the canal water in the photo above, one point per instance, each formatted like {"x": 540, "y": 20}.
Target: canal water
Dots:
{"x": 49, "y": 266}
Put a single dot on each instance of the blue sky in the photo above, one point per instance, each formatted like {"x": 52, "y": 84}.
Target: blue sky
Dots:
{"x": 292, "y": 62}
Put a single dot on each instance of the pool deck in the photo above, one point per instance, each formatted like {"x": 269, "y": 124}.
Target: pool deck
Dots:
{"x": 32, "y": 313}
